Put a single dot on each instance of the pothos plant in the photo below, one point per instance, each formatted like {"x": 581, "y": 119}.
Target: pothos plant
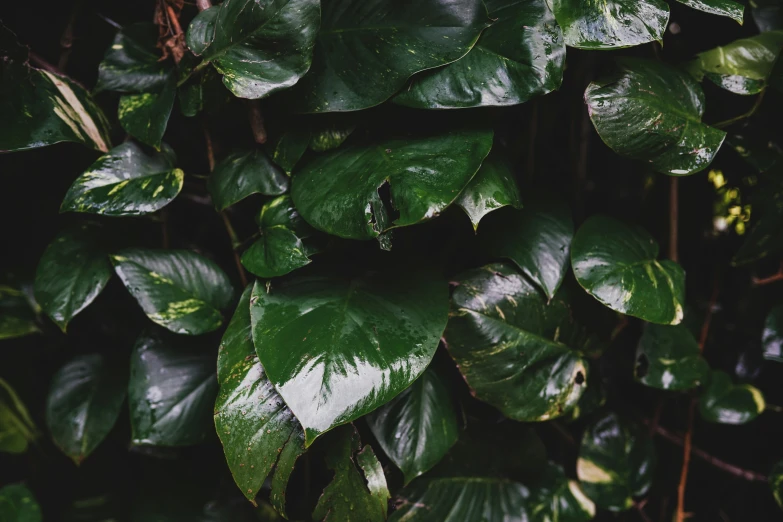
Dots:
{"x": 344, "y": 260}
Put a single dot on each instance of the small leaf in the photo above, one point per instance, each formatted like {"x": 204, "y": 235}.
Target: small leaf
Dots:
{"x": 556, "y": 498}
{"x": 126, "y": 182}
{"x": 17, "y": 316}
{"x": 616, "y": 462}
{"x": 772, "y": 339}
{"x": 204, "y": 93}
{"x": 616, "y": 263}
{"x": 177, "y": 289}
{"x": 145, "y": 116}
{"x": 83, "y": 404}
{"x": 492, "y": 187}
{"x": 733, "y": 10}
{"x": 243, "y": 173}
{"x": 17, "y": 504}
{"x": 330, "y": 137}
{"x": 17, "y": 429}
{"x": 776, "y": 482}
{"x": 668, "y": 358}
{"x": 724, "y": 402}
{"x": 289, "y": 148}
{"x": 132, "y": 64}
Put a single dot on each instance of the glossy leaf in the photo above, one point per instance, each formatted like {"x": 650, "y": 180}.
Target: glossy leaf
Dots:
{"x": 776, "y": 482}
{"x": 170, "y": 393}
{"x": 126, "y": 182}
{"x": 766, "y": 235}
{"x": 72, "y": 271}
{"x": 387, "y": 42}
{"x": 513, "y": 346}
{"x": 145, "y": 116}
{"x": 520, "y": 56}
{"x": 243, "y": 173}
{"x": 289, "y": 148}
{"x": 17, "y": 317}
{"x": 132, "y": 64}
{"x": 259, "y": 47}
{"x": 17, "y": 504}
{"x": 616, "y": 462}
{"x": 17, "y": 429}
{"x": 617, "y": 264}
{"x": 556, "y": 498}
{"x": 494, "y": 186}
{"x": 537, "y": 239}
{"x": 652, "y": 112}
{"x": 610, "y": 24}
{"x": 668, "y": 358}
{"x": 724, "y": 402}
{"x": 772, "y": 338}
{"x": 84, "y": 402}
{"x": 257, "y": 429}
{"x": 338, "y": 348}
{"x": 729, "y": 8}
{"x": 339, "y": 192}
{"x": 418, "y": 427}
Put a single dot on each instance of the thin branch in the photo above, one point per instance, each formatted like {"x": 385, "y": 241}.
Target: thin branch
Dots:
{"x": 705, "y": 327}
{"x": 256, "y": 121}
{"x": 43, "y": 64}
{"x": 639, "y": 506}
{"x": 686, "y": 460}
{"x": 673, "y": 213}
{"x": 66, "y": 40}
{"x": 771, "y": 279}
{"x": 751, "y": 112}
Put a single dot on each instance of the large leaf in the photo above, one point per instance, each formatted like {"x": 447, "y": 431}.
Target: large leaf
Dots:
{"x": 17, "y": 504}
{"x": 83, "y": 404}
{"x": 259, "y": 46}
{"x": 537, "y": 239}
{"x": 418, "y": 427}
{"x": 243, "y": 173}
{"x": 520, "y": 56}
{"x": 132, "y": 64}
{"x": 616, "y": 462}
{"x": 366, "y": 51}
{"x": 668, "y": 358}
{"x": 177, "y": 289}
{"x": 652, "y": 112}
{"x": 145, "y": 116}
{"x": 17, "y": 429}
{"x": 339, "y": 192}
{"x": 772, "y": 338}
{"x": 556, "y": 498}
{"x": 729, "y": 8}
{"x": 337, "y": 348}
{"x": 17, "y": 313}
{"x": 73, "y": 270}
{"x": 513, "y": 345}
{"x": 611, "y": 24}
{"x": 617, "y": 264}
{"x": 493, "y": 187}
{"x": 724, "y": 402}
{"x": 126, "y": 182}
{"x": 170, "y": 394}
{"x": 257, "y": 429}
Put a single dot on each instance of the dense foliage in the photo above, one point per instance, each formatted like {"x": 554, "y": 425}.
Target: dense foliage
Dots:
{"x": 367, "y": 260}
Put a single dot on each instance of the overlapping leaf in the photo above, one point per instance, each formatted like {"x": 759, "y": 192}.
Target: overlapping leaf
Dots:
{"x": 556, "y": 498}
{"x": 288, "y": 149}
{"x": 493, "y": 187}
{"x": 17, "y": 315}
{"x": 17, "y": 504}
{"x": 132, "y": 64}
{"x": 733, "y": 10}
{"x": 243, "y": 173}
{"x": 17, "y": 429}
{"x": 668, "y": 358}
{"x": 145, "y": 116}
{"x": 724, "y": 402}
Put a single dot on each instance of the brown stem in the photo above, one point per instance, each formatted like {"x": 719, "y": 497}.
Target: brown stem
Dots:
{"x": 66, "y": 40}
{"x": 686, "y": 460}
{"x": 771, "y": 279}
{"x": 673, "y": 212}
{"x": 256, "y": 121}
{"x": 705, "y": 327}
{"x": 203, "y": 5}
{"x": 43, "y": 64}
{"x": 172, "y": 16}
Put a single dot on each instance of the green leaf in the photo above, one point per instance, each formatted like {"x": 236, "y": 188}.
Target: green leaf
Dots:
{"x": 73, "y": 270}
{"x": 418, "y": 427}
{"x": 177, "y": 289}
{"x": 493, "y": 187}
{"x": 83, "y": 404}
{"x": 743, "y": 66}
{"x": 205, "y": 93}
{"x": 17, "y": 504}
{"x": 340, "y": 192}
{"x": 556, "y": 498}
{"x": 772, "y": 339}
{"x": 537, "y": 239}
{"x": 668, "y": 358}
{"x": 17, "y": 316}
{"x": 145, "y": 116}
{"x": 617, "y": 264}
{"x": 338, "y": 348}
{"x": 259, "y": 47}
{"x": 766, "y": 236}
{"x": 283, "y": 245}
{"x": 514, "y": 346}
{"x": 733, "y": 10}
{"x": 126, "y": 182}
{"x": 17, "y": 429}
{"x": 132, "y": 64}
{"x": 616, "y": 462}
{"x": 611, "y": 24}
{"x": 287, "y": 150}
{"x": 724, "y": 402}
{"x": 352, "y": 495}
{"x": 330, "y": 137}
{"x": 243, "y": 173}
{"x": 257, "y": 429}
{"x": 520, "y": 56}
{"x": 767, "y": 14}
{"x": 776, "y": 482}
{"x": 652, "y": 112}
{"x": 170, "y": 393}
{"x": 387, "y": 42}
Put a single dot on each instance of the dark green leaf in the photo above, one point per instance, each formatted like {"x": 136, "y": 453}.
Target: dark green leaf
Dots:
{"x": 243, "y": 173}
{"x": 17, "y": 504}
{"x": 772, "y": 339}
{"x": 733, "y": 10}
{"x": 616, "y": 462}
{"x": 145, "y": 116}
{"x": 83, "y": 404}
{"x": 513, "y": 346}
{"x": 724, "y": 402}
{"x": 126, "y": 182}
{"x": 338, "y": 348}
{"x": 776, "y": 482}
{"x": 203, "y": 93}
{"x": 668, "y": 358}
{"x": 418, "y": 427}
{"x": 520, "y": 56}
{"x": 652, "y": 112}
{"x": 17, "y": 429}
{"x": 556, "y": 498}
{"x": 132, "y": 64}
{"x": 289, "y": 148}
{"x": 617, "y": 264}
{"x": 17, "y": 316}
{"x": 330, "y": 137}
{"x": 766, "y": 236}
{"x": 494, "y": 186}
{"x": 177, "y": 289}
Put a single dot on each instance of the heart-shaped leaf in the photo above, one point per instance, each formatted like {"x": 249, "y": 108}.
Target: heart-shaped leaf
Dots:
{"x": 520, "y": 56}
{"x": 259, "y": 47}
{"x": 340, "y": 192}
{"x": 177, "y": 289}
{"x": 772, "y": 338}
{"x": 668, "y": 358}
{"x": 729, "y": 8}
{"x": 616, "y": 462}
{"x": 388, "y": 42}
{"x": 611, "y": 24}
{"x": 170, "y": 393}
{"x": 17, "y": 316}
{"x": 512, "y": 344}
{"x": 652, "y": 112}
{"x": 338, "y": 348}
{"x": 418, "y": 427}
{"x": 126, "y": 182}
{"x": 617, "y": 264}
{"x": 243, "y": 173}
{"x": 556, "y": 498}
{"x": 84, "y": 402}
{"x": 145, "y": 116}
{"x": 724, "y": 402}
{"x": 132, "y": 64}
{"x": 17, "y": 429}
{"x": 17, "y": 504}
{"x": 493, "y": 187}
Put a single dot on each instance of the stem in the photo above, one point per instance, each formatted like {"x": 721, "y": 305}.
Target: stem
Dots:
{"x": 751, "y": 112}
{"x": 673, "y": 214}
{"x": 686, "y": 460}
{"x": 771, "y": 279}
{"x": 66, "y": 40}
{"x": 192, "y": 72}
{"x": 705, "y": 327}
{"x": 257, "y": 121}
{"x": 43, "y": 64}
